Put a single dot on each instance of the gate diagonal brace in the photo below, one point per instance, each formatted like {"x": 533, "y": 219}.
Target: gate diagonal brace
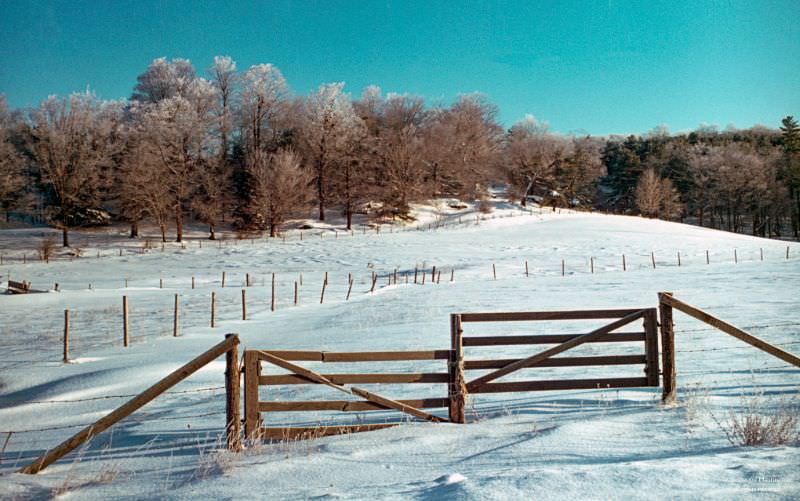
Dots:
{"x": 366, "y": 395}
{"x": 544, "y": 355}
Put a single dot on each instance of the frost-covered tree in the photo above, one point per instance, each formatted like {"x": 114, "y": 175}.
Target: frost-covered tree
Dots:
{"x": 73, "y": 142}
{"x": 532, "y": 157}
{"x": 263, "y": 100}
{"x": 327, "y": 131}
{"x": 280, "y": 187}
{"x": 224, "y": 78}
{"x": 177, "y": 131}
{"x": 13, "y": 177}
{"x": 164, "y": 79}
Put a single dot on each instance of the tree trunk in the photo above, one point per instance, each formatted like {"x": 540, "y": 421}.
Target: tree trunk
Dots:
{"x": 65, "y": 235}
{"x": 134, "y": 229}
{"x": 212, "y": 235}
{"x": 349, "y": 218}
{"x": 163, "y": 228}
{"x": 179, "y": 225}
{"x": 273, "y": 230}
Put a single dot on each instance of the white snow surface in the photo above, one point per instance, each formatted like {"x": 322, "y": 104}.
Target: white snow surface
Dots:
{"x": 578, "y": 444}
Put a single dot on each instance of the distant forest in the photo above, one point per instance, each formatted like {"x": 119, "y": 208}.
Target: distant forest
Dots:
{"x": 237, "y": 147}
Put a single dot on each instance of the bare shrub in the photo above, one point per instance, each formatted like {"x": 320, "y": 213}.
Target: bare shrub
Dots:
{"x": 760, "y": 422}
{"x": 46, "y": 248}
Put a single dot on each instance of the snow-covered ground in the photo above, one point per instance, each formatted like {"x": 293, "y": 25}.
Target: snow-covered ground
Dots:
{"x": 603, "y": 443}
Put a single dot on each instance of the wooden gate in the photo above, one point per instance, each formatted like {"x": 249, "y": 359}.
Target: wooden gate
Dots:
{"x": 458, "y": 387}
{"x": 370, "y": 401}
{"x": 648, "y": 336}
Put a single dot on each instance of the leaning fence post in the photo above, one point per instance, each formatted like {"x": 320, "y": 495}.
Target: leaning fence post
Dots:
{"x": 455, "y": 372}
{"x": 66, "y": 336}
{"x": 232, "y": 407}
{"x": 667, "y": 349}
{"x": 125, "y": 321}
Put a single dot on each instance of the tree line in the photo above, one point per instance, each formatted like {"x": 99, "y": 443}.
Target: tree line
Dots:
{"x": 237, "y": 147}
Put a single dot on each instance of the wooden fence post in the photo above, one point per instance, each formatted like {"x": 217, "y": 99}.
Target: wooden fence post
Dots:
{"x": 223, "y": 279}
{"x": 667, "y": 350}
{"x": 735, "y": 257}
{"x": 452, "y": 274}
{"x": 160, "y": 283}
{"x": 526, "y": 268}
{"x": 433, "y": 274}
{"x": 66, "y": 336}
{"x": 252, "y": 371}
{"x": 349, "y": 288}
{"x": 455, "y": 370}
{"x": 325, "y": 284}
{"x": 708, "y": 261}
{"x": 244, "y": 304}
{"x": 192, "y": 282}
{"x": 563, "y": 266}
{"x": 787, "y": 252}
{"x": 125, "y": 321}
{"x": 272, "y": 301}
{"x": 296, "y": 297}
{"x": 591, "y": 264}
{"x": 679, "y": 259}
{"x": 761, "y": 249}
{"x": 415, "y": 274}
{"x": 623, "y": 263}
{"x": 232, "y": 407}
{"x": 494, "y": 271}
{"x": 175, "y": 318}
{"x": 653, "y": 259}
{"x": 651, "y": 346}
{"x": 213, "y": 304}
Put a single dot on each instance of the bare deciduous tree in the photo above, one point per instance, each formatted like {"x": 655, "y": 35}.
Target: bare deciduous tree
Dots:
{"x": 72, "y": 142}
{"x": 280, "y": 187}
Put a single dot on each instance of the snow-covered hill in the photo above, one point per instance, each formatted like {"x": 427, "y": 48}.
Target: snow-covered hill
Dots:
{"x": 569, "y": 444}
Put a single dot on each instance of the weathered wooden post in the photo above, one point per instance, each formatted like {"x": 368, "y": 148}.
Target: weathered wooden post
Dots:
{"x": 526, "y": 268}
{"x": 66, "y": 336}
{"x": 591, "y": 264}
{"x": 175, "y": 318}
{"x": 192, "y": 282}
{"x": 322, "y": 294}
{"x": 244, "y": 304}
{"x": 232, "y": 407}
{"x": 252, "y": 371}
{"x": 708, "y": 261}
{"x": 296, "y": 293}
{"x": 272, "y": 300}
{"x": 494, "y": 271}
{"x": 223, "y": 279}
{"x": 349, "y": 288}
{"x": 125, "y": 321}
{"x": 735, "y": 257}
{"x": 679, "y": 259}
{"x": 653, "y": 259}
{"x": 455, "y": 371}
{"x": 667, "y": 349}
{"x": 563, "y": 266}
{"x": 624, "y": 268}
{"x": 213, "y": 305}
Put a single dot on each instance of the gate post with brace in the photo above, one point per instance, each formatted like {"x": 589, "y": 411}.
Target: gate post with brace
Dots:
{"x": 455, "y": 370}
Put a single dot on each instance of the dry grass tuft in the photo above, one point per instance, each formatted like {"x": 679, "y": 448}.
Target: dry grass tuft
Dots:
{"x": 759, "y": 421}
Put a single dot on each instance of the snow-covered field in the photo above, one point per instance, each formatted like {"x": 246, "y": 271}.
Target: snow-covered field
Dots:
{"x": 603, "y": 443}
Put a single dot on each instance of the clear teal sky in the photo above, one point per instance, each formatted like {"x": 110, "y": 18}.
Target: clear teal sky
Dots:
{"x": 601, "y": 67}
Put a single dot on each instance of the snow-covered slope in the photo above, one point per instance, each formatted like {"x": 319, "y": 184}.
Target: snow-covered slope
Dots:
{"x": 569, "y": 444}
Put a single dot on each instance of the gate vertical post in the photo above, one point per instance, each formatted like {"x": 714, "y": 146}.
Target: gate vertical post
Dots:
{"x": 455, "y": 370}
{"x": 232, "y": 407}
{"x": 651, "y": 346}
{"x": 667, "y": 349}
{"x": 252, "y": 371}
